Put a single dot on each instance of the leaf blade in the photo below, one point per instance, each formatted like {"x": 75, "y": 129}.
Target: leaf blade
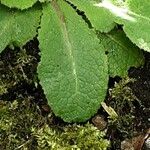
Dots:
{"x": 75, "y": 82}
{"x": 101, "y": 19}
{"x": 24, "y": 4}
{"x": 122, "y": 53}
{"x": 20, "y": 27}
{"x": 141, "y": 26}
{"x": 134, "y": 15}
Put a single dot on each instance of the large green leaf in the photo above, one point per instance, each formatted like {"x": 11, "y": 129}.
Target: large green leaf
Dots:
{"x": 100, "y": 18}
{"x": 135, "y": 18}
{"x": 21, "y": 4}
{"x": 122, "y": 53}
{"x": 139, "y": 29}
{"x": 17, "y": 27}
{"x": 73, "y": 70}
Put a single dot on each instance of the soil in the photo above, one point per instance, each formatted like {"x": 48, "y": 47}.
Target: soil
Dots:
{"x": 138, "y": 109}
{"x": 18, "y": 75}
{"x": 141, "y": 89}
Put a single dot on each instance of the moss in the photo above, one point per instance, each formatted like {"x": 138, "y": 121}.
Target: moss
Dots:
{"x": 23, "y": 127}
{"x": 122, "y": 101}
{"x": 17, "y": 118}
{"x": 16, "y": 66}
{"x": 73, "y": 137}
{"x": 3, "y": 87}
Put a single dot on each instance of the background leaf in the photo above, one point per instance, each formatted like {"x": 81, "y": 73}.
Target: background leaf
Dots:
{"x": 20, "y": 4}
{"x": 20, "y": 27}
{"x": 73, "y": 70}
{"x": 134, "y": 15}
{"x": 122, "y": 53}
{"x": 100, "y": 18}
{"x": 139, "y": 30}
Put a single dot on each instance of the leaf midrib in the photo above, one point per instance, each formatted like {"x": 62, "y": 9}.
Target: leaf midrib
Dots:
{"x": 66, "y": 40}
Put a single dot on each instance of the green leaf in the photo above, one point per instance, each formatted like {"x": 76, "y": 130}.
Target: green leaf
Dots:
{"x": 139, "y": 30}
{"x": 73, "y": 70}
{"x": 134, "y": 15}
{"x": 100, "y": 18}
{"x": 122, "y": 53}
{"x": 18, "y": 27}
{"x": 20, "y": 4}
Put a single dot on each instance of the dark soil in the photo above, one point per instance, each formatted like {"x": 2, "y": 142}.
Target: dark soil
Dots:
{"x": 18, "y": 76}
{"x": 134, "y": 111}
{"x": 141, "y": 89}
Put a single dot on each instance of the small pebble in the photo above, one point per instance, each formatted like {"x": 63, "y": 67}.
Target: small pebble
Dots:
{"x": 99, "y": 122}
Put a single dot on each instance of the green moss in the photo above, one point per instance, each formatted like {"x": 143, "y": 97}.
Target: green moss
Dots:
{"x": 73, "y": 137}
{"x": 122, "y": 91}
{"x": 122, "y": 101}
{"x": 22, "y": 127}
{"x": 3, "y": 88}
{"x": 17, "y": 118}
{"x": 15, "y": 66}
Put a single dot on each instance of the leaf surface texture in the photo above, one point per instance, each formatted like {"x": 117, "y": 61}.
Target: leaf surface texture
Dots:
{"x": 100, "y": 19}
{"x": 139, "y": 30}
{"x": 73, "y": 70}
{"x": 20, "y": 27}
{"x": 122, "y": 53}
{"x": 134, "y": 15}
{"x": 20, "y": 4}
